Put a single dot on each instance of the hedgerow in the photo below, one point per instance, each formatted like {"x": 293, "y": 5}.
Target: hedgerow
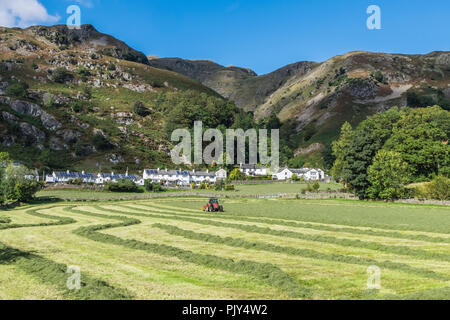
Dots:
{"x": 266, "y": 272}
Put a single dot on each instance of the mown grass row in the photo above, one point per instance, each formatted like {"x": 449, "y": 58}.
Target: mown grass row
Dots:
{"x": 265, "y": 272}
{"x": 48, "y": 271}
{"x": 292, "y": 210}
{"x": 53, "y": 273}
{"x": 307, "y": 253}
{"x": 400, "y": 250}
{"x": 5, "y": 220}
{"x": 34, "y": 212}
{"x": 306, "y": 225}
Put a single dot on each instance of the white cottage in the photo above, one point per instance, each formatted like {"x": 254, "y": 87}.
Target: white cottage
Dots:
{"x": 253, "y": 170}
{"x": 282, "y": 174}
{"x": 221, "y": 174}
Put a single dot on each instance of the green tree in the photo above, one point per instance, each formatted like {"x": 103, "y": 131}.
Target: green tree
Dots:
{"x": 4, "y": 157}
{"x": 369, "y": 137}
{"x": 315, "y": 186}
{"x": 438, "y": 188}
{"x": 140, "y": 109}
{"x": 294, "y": 177}
{"x": 17, "y": 89}
{"x": 420, "y": 137}
{"x": 122, "y": 185}
{"x": 100, "y": 142}
{"x": 273, "y": 122}
{"x": 236, "y": 174}
{"x": 340, "y": 148}
{"x": 61, "y": 75}
{"x": 388, "y": 176}
{"x": 18, "y": 183}
{"x": 25, "y": 190}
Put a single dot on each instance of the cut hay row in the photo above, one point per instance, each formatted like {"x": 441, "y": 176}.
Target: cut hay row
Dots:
{"x": 305, "y": 253}
{"x": 306, "y": 225}
{"x": 137, "y": 244}
{"x": 397, "y": 249}
{"x": 34, "y": 212}
{"x": 54, "y": 273}
{"x": 265, "y": 272}
{"x": 294, "y": 210}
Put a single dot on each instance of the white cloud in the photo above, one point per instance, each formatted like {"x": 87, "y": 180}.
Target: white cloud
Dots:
{"x": 23, "y": 13}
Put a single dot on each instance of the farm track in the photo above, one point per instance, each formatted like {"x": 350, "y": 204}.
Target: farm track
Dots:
{"x": 170, "y": 220}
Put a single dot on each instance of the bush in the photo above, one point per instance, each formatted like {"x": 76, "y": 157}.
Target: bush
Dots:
{"x": 122, "y": 185}
{"x": 77, "y": 106}
{"x": 83, "y": 73}
{"x": 438, "y": 189}
{"x": 111, "y": 67}
{"x": 219, "y": 186}
{"x": 229, "y": 187}
{"x": 378, "y": 76}
{"x": 49, "y": 100}
{"x": 17, "y": 89}
{"x": 152, "y": 187}
{"x": 18, "y": 184}
{"x": 26, "y": 189}
{"x": 140, "y": 109}
{"x": 316, "y": 186}
{"x": 100, "y": 142}
{"x": 61, "y": 75}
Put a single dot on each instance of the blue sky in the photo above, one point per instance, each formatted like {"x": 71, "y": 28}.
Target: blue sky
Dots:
{"x": 265, "y": 35}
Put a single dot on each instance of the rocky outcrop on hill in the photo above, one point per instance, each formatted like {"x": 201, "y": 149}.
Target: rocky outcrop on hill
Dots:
{"x": 88, "y": 37}
{"x": 33, "y": 110}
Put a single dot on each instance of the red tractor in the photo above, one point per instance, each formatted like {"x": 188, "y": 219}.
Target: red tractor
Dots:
{"x": 213, "y": 206}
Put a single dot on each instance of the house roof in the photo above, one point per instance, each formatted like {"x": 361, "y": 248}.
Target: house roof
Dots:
{"x": 74, "y": 175}
{"x": 167, "y": 172}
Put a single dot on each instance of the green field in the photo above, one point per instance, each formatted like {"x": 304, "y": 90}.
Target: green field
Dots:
{"x": 241, "y": 190}
{"x": 258, "y": 249}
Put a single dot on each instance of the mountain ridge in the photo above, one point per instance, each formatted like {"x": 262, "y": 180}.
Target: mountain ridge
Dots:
{"x": 318, "y": 97}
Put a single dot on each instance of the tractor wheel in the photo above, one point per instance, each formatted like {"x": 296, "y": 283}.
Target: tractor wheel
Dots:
{"x": 221, "y": 209}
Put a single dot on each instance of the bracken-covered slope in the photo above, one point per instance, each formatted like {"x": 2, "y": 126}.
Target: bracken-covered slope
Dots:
{"x": 78, "y": 110}
{"x": 317, "y": 98}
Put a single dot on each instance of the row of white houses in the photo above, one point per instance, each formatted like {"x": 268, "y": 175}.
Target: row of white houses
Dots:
{"x": 174, "y": 177}
{"x": 182, "y": 177}
{"x": 100, "y": 178}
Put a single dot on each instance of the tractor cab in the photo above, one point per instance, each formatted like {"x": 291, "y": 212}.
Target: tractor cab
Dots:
{"x": 213, "y": 206}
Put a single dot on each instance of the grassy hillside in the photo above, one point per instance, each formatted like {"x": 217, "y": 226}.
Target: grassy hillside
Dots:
{"x": 78, "y": 109}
